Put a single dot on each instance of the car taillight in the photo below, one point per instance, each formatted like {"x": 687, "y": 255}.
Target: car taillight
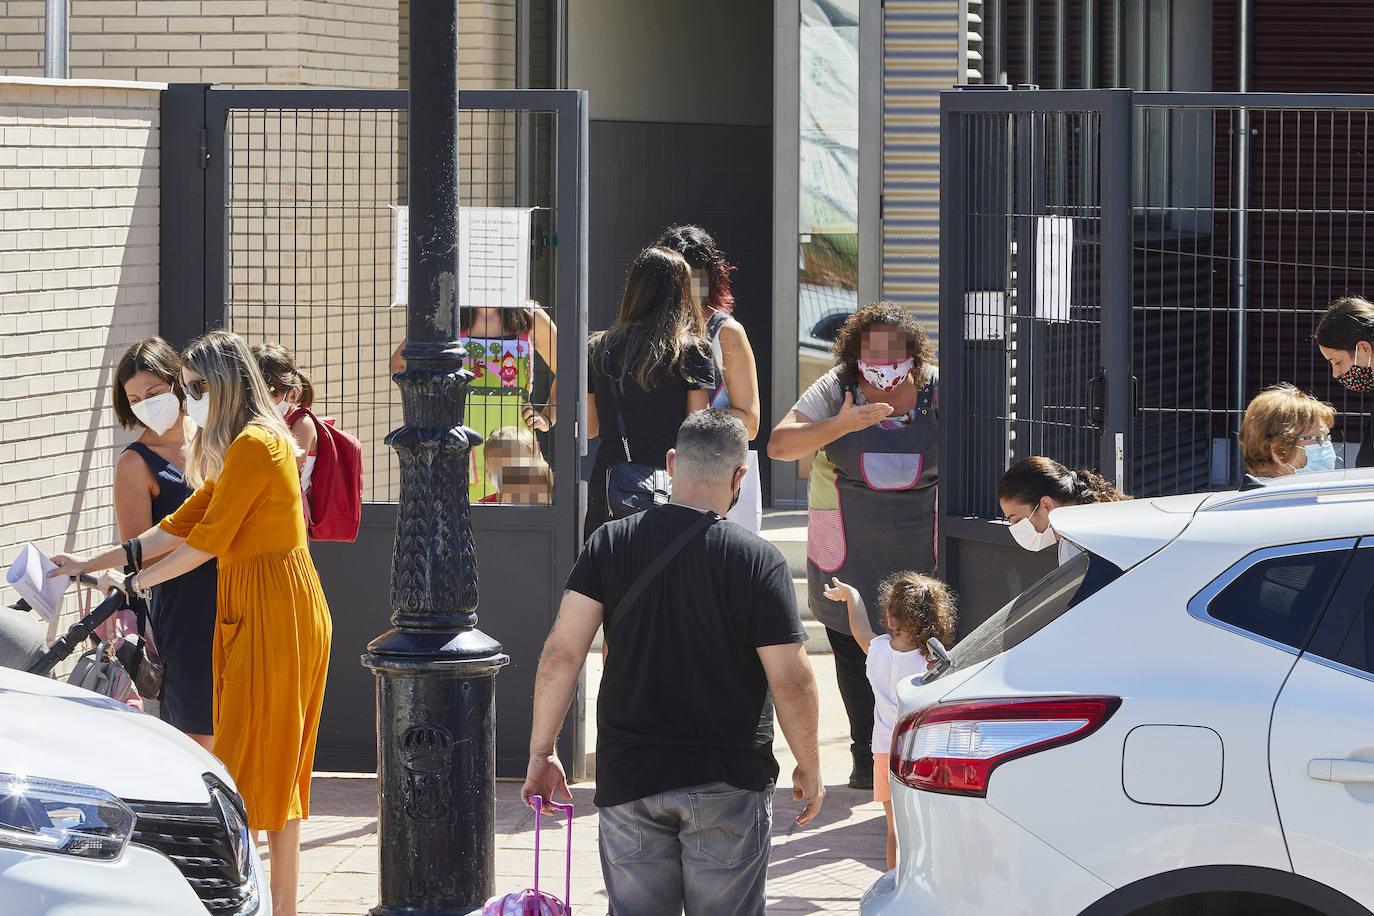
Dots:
{"x": 954, "y": 747}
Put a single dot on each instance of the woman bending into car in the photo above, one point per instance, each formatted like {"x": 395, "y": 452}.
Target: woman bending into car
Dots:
{"x": 1033, "y": 487}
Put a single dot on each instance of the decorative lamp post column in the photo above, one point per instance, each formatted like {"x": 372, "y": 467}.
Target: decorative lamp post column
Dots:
{"x": 436, "y": 707}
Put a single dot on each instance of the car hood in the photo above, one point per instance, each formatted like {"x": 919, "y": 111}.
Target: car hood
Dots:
{"x": 52, "y": 730}
{"x": 1126, "y": 532}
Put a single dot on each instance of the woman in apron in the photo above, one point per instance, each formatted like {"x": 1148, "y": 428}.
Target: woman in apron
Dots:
{"x": 871, "y": 495}
{"x": 501, "y": 344}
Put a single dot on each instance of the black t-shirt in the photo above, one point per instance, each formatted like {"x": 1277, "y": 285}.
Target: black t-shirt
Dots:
{"x": 684, "y": 699}
{"x": 651, "y": 417}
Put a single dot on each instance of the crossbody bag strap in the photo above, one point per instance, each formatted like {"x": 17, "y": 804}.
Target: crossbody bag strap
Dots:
{"x": 653, "y": 569}
{"x": 615, "y": 399}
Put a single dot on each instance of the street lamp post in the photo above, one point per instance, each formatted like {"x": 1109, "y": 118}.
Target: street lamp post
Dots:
{"x": 436, "y": 709}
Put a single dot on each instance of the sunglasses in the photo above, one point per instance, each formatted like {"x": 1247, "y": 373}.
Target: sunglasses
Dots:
{"x": 196, "y": 388}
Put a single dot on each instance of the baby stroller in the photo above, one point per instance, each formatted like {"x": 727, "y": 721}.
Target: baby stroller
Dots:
{"x": 22, "y": 645}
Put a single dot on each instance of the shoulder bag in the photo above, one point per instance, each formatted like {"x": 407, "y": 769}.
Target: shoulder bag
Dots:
{"x": 632, "y": 487}
{"x": 653, "y": 569}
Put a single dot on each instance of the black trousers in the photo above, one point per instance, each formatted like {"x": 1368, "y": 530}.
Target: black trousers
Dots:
{"x": 856, "y": 693}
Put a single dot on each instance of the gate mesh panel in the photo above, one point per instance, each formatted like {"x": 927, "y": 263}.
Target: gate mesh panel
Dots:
{"x": 312, "y": 224}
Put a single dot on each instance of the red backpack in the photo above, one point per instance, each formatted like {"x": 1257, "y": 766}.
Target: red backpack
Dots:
{"x": 335, "y": 509}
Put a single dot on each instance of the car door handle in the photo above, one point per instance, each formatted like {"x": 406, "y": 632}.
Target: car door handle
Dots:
{"x": 1340, "y": 769}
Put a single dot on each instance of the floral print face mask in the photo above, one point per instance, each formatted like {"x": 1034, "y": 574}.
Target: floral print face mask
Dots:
{"x": 1359, "y": 378}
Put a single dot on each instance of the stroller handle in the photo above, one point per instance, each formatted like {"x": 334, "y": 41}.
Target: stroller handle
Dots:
{"x": 80, "y": 631}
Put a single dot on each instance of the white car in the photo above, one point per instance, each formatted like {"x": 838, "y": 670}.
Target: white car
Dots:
{"x": 1178, "y": 720}
{"x": 106, "y": 811}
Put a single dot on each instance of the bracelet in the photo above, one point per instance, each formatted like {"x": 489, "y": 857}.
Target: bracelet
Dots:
{"x": 133, "y": 589}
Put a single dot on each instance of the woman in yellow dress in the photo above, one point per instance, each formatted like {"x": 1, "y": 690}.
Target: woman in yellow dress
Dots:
{"x": 272, "y": 634}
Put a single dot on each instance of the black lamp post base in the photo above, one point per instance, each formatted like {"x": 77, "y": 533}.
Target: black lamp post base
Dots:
{"x": 436, "y": 770}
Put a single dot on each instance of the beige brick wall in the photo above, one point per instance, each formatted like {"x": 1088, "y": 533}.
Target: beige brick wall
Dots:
{"x": 78, "y": 285}
{"x": 351, "y": 43}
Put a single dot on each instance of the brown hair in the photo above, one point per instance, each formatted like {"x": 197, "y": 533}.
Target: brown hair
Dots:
{"x": 1345, "y": 323}
{"x": 154, "y": 355}
{"x": 659, "y": 322}
{"x": 1029, "y": 479}
{"x": 279, "y": 370}
{"x": 1274, "y": 421}
{"x": 920, "y": 607}
{"x": 849, "y": 340}
{"x": 514, "y": 321}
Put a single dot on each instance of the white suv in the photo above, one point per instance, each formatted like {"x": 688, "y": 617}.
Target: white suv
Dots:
{"x": 105, "y": 811}
{"x": 1178, "y": 720}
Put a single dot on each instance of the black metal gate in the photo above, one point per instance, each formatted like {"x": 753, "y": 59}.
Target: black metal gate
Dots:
{"x": 1035, "y": 312}
{"x": 281, "y": 210}
{"x": 1120, "y": 273}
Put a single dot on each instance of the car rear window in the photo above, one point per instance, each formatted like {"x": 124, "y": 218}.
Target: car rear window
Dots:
{"x": 1031, "y": 611}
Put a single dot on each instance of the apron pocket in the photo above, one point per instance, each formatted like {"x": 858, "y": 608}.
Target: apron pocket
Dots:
{"x": 825, "y": 545}
{"x": 890, "y": 470}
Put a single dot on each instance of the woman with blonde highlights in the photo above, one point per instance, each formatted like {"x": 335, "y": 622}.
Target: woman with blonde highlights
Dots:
{"x": 271, "y": 644}
{"x": 1286, "y": 431}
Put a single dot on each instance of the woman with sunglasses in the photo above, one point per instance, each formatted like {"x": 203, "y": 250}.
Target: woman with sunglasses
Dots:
{"x": 271, "y": 647}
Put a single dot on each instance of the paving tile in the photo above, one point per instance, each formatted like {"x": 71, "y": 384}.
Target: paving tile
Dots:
{"x": 824, "y": 867}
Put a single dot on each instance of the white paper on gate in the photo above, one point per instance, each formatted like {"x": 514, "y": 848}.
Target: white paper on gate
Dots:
{"x": 493, "y": 256}
{"x": 28, "y": 576}
{"x": 1053, "y": 267}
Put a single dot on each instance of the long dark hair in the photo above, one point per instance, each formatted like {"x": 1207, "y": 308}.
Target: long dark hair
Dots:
{"x": 1029, "y": 479}
{"x": 849, "y": 340}
{"x": 659, "y": 322}
{"x": 1345, "y": 323}
{"x": 699, "y": 250}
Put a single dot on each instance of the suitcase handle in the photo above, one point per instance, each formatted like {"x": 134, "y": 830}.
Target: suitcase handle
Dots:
{"x": 537, "y": 803}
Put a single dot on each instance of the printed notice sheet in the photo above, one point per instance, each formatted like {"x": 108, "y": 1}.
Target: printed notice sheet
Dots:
{"x": 28, "y": 576}
{"x": 493, "y": 256}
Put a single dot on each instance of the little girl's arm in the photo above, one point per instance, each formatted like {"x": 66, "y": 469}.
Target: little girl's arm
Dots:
{"x": 858, "y": 612}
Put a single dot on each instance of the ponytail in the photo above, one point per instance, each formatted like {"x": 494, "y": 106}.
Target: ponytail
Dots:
{"x": 1030, "y": 479}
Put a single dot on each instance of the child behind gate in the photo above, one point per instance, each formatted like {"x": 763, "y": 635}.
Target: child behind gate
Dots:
{"x": 915, "y": 608}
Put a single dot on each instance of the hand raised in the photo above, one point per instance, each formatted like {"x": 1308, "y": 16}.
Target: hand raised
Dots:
{"x": 840, "y": 591}
{"x": 855, "y": 418}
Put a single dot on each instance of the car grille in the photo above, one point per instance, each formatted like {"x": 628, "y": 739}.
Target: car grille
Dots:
{"x": 195, "y": 839}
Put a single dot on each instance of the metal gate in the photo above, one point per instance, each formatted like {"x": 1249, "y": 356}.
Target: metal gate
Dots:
{"x": 281, "y": 211}
{"x": 1035, "y": 312}
{"x": 1120, "y": 273}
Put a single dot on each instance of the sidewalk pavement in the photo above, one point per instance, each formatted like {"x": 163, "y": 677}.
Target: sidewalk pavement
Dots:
{"x": 824, "y": 867}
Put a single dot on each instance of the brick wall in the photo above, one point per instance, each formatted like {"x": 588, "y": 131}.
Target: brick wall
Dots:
{"x": 78, "y": 285}
{"x": 349, "y": 43}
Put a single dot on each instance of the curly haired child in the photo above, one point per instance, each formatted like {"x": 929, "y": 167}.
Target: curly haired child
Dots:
{"x": 915, "y": 608}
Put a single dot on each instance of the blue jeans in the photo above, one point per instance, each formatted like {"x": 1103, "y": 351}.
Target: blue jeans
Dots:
{"x": 702, "y": 849}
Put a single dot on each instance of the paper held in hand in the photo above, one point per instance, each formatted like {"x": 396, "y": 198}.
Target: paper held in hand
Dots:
{"x": 28, "y": 576}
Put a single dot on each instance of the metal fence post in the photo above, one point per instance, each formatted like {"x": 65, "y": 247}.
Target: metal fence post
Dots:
{"x": 181, "y": 234}
{"x": 1117, "y": 284}
{"x": 952, "y": 235}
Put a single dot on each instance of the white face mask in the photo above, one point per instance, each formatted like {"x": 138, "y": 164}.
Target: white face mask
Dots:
{"x": 198, "y": 410}
{"x": 885, "y": 376}
{"x": 283, "y": 407}
{"x": 1025, "y": 534}
{"x": 159, "y": 412}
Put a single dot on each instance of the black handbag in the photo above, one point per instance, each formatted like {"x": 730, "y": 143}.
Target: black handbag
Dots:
{"x": 143, "y": 666}
{"x": 632, "y": 487}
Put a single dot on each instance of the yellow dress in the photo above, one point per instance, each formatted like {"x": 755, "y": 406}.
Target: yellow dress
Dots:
{"x": 272, "y": 632}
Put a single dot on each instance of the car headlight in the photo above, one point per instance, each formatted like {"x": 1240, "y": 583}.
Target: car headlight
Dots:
{"x": 235, "y": 822}
{"x": 62, "y": 817}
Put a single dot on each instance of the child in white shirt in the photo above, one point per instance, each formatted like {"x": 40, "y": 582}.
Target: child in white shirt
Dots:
{"x": 915, "y": 608}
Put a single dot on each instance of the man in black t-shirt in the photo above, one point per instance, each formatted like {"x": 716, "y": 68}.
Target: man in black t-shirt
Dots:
{"x": 684, "y": 751}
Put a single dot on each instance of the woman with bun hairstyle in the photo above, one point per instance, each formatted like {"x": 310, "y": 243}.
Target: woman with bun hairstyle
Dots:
{"x": 150, "y": 484}
{"x": 1033, "y": 487}
{"x": 1345, "y": 337}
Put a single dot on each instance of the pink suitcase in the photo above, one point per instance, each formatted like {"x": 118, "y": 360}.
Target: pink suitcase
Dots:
{"x": 533, "y": 901}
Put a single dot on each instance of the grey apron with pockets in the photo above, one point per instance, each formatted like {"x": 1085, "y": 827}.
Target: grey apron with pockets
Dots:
{"x": 887, "y": 504}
